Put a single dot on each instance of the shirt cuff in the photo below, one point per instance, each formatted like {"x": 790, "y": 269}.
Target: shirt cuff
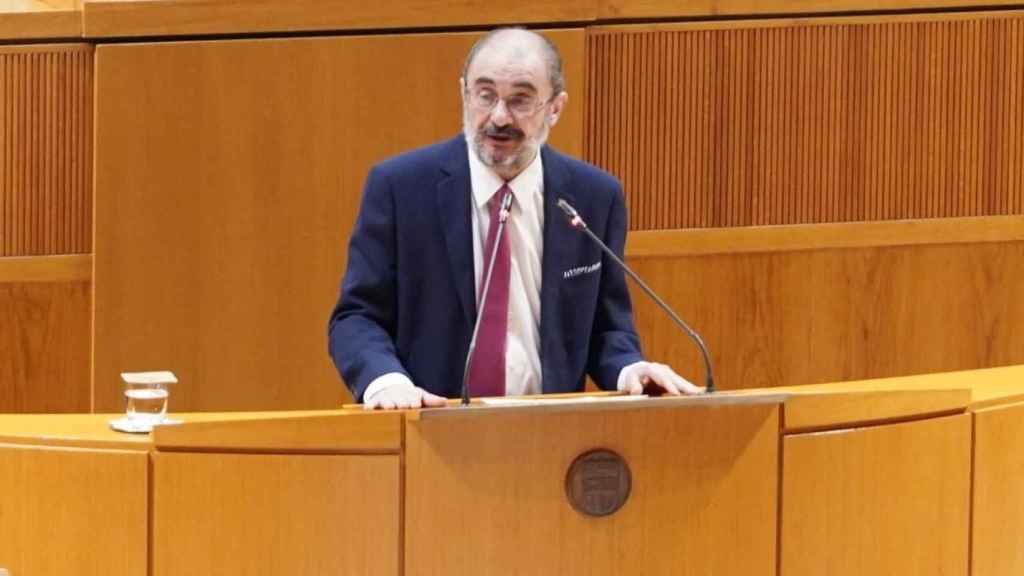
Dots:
{"x": 386, "y": 381}
{"x": 620, "y": 384}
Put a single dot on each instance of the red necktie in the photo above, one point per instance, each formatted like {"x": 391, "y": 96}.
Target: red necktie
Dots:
{"x": 487, "y": 371}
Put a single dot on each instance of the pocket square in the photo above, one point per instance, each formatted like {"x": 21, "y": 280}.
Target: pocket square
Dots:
{"x": 581, "y": 270}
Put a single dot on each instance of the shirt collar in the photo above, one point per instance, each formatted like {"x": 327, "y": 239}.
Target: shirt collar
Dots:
{"x": 485, "y": 182}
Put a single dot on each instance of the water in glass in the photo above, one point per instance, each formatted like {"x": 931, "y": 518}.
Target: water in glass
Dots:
{"x": 147, "y": 404}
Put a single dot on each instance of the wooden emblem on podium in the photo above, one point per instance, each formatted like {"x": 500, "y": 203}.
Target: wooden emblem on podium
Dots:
{"x": 598, "y": 483}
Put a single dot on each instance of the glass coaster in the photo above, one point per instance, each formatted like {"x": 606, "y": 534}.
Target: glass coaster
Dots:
{"x": 125, "y": 424}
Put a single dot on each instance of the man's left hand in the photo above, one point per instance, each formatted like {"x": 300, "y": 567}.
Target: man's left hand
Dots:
{"x": 637, "y": 377}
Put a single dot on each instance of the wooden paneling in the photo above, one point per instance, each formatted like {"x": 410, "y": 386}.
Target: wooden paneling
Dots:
{"x": 35, "y": 25}
{"x": 68, "y": 430}
{"x": 45, "y": 333}
{"x": 830, "y": 409}
{"x": 45, "y": 209}
{"x": 884, "y": 500}
{"x": 272, "y": 514}
{"x": 228, "y": 178}
{"x": 32, "y": 19}
{"x": 45, "y": 150}
{"x": 126, "y": 18}
{"x": 616, "y": 9}
{"x": 173, "y": 17}
{"x": 988, "y": 387}
{"x": 45, "y": 330}
{"x": 334, "y": 432}
{"x": 66, "y": 268}
{"x": 829, "y": 315}
{"x": 753, "y": 239}
{"x": 997, "y": 542}
{"x": 70, "y": 511}
{"x": 704, "y": 481}
{"x": 787, "y": 122}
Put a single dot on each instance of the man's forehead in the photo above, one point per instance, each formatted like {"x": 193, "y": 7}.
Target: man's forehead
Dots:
{"x": 509, "y": 57}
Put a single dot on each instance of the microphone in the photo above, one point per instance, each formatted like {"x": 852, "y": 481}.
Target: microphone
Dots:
{"x": 576, "y": 221}
{"x": 506, "y": 205}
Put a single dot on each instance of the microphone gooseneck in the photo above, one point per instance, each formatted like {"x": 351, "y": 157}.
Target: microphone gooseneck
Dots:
{"x": 576, "y": 221}
{"x": 506, "y": 206}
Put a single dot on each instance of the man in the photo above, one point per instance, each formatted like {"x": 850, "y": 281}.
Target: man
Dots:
{"x": 426, "y": 232}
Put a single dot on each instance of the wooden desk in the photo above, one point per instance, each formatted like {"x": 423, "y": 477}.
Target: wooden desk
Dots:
{"x": 997, "y": 538}
{"x": 898, "y": 498}
{"x": 876, "y": 486}
{"x": 74, "y": 497}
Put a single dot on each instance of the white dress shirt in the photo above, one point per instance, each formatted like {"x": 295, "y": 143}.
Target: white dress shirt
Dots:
{"x": 525, "y": 234}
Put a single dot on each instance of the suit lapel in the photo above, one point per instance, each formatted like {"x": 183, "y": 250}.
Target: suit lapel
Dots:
{"x": 558, "y": 248}
{"x": 453, "y": 202}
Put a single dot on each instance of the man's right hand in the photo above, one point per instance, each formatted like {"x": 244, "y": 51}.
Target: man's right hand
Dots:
{"x": 400, "y": 395}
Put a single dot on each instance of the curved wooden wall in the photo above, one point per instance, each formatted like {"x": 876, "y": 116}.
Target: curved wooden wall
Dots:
{"x": 721, "y": 125}
{"x": 45, "y": 228}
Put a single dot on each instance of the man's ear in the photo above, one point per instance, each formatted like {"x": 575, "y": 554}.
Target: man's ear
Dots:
{"x": 462, "y": 89}
{"x": 557, "y": 105}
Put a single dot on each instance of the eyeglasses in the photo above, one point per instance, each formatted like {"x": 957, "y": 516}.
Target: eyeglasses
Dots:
{"x": 519, "y": 105}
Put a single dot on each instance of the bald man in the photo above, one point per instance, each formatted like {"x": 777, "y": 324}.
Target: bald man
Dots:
{"x": 433, "y": 221}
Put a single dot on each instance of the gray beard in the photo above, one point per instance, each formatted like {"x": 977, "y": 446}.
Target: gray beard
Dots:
{"x": 513, "y": 164}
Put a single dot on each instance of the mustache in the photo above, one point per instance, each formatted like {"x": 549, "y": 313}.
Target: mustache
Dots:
{"x": 502, "y": 131}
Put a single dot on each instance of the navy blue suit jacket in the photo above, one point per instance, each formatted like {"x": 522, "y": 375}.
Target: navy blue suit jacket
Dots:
{"x": 407, "y": 299}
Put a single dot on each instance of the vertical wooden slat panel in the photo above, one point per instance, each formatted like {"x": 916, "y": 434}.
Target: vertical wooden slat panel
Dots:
{"x": 5, "y": 102}
{"x": 17, "y": 166}
{"x": 45, "y": 163}
{"x": 882, "y": 155}
{"x": 1015, "y": 178}
{"x": 719, "y": 125}
{"x": 78, "y": 115}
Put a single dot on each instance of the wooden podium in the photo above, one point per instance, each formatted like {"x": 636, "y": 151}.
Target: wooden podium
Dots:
{"x": 470, "y": 491}
{"x": 898, "y": 476}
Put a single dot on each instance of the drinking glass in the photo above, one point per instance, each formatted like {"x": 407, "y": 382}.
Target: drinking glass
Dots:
{"x": 146, "y": 396}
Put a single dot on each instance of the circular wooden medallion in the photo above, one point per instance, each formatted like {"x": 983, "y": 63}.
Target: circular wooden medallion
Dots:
{"x": 598, "y": 483}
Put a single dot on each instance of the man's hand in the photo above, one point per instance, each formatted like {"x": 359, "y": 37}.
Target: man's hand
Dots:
{"x": 636, "y": 377}
{"x": 402, "y": 395}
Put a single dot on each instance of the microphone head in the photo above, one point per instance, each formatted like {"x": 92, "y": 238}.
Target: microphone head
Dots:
{"x": 574, "y": 217}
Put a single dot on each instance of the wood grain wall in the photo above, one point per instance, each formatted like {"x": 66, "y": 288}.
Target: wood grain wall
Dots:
{"x": 781, "y": 122}
{"x": 792, "y": 305}
{"x": 45, "y": 212}
{"x": 45, "y": 330}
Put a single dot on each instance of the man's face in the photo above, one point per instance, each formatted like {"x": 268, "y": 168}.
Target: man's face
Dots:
{"x": 508, "y": 107}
